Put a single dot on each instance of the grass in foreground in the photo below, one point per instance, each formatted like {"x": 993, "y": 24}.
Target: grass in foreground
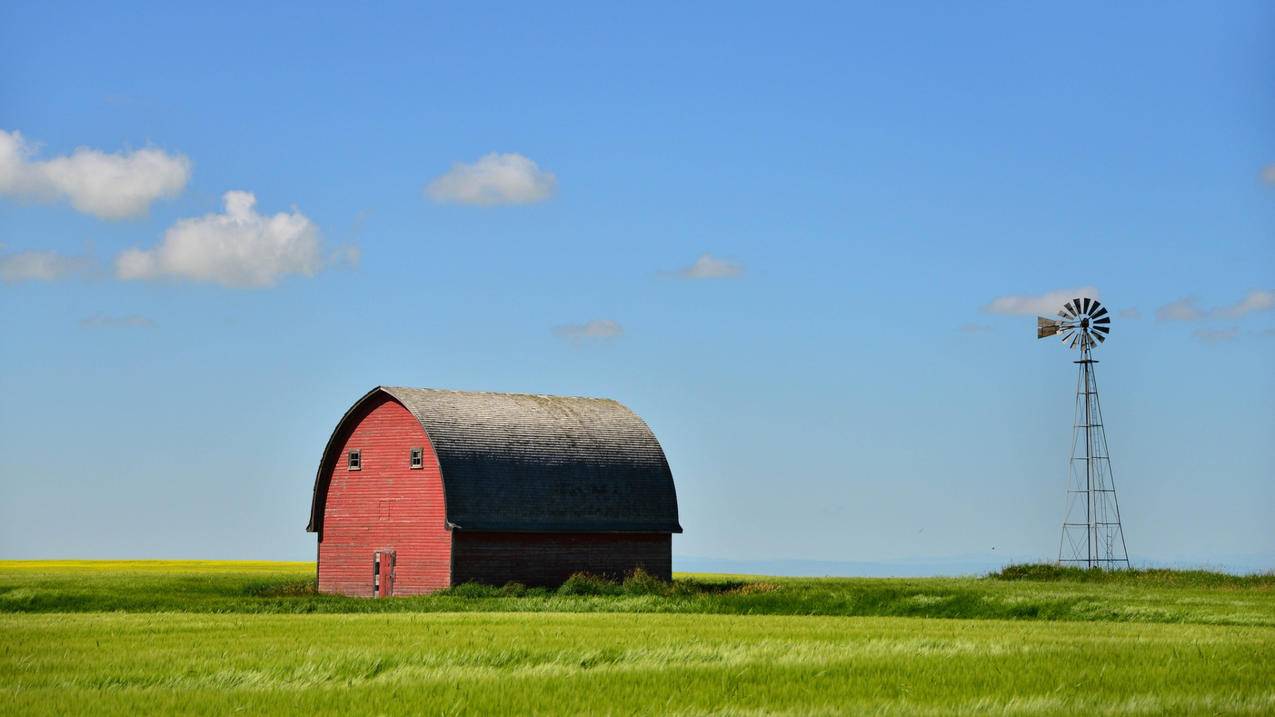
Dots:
{"x": 624, "y": 664}
{"x": 214, "y": 638}
{"x": 1018, "y": 593}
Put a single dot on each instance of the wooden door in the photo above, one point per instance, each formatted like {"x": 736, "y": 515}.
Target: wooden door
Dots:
{"x": 383, "y": 573}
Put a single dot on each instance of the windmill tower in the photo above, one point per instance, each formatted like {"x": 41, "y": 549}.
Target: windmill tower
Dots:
{"x": 1091, "y": 532}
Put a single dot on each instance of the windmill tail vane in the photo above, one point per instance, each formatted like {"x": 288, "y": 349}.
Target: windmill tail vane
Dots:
{"x": 1092, "y": 535}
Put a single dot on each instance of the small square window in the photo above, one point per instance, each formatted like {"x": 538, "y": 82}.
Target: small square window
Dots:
{"x": 418, "y": 458}
{"x": 355, "y": 460}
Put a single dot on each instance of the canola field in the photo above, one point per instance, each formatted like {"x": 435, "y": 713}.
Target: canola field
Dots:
{"x": 217, "y": 638}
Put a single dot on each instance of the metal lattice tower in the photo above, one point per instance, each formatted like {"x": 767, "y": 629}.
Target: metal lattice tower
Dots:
{"x": 1091, "y": 533}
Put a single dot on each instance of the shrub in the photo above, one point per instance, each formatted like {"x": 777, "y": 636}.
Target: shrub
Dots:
{"x": 472, "y": 590}
{"x": 1145, "y": 576}
{"x": 1038, "y": 571}
{"x": 756, "y": 588}
{"x": 586, "y": 584}
{"x": 513, "y": 588}
{"x": 640, "y": 582}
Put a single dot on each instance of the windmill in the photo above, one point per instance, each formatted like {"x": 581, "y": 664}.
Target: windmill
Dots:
{"x": 1091, "y": 532}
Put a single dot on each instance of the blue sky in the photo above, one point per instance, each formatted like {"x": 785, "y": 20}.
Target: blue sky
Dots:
{"x": 777, "y": 233}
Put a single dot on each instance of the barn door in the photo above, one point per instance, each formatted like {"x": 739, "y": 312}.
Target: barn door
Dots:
{"x": 383, "y": 573}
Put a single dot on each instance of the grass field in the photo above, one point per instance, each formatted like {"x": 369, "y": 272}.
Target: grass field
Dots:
{"x": 213, "y": 638}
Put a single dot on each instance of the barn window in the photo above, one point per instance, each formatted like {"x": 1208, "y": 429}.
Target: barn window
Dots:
{"x": 418, "y": 457}
{"x": 356, "y": 460}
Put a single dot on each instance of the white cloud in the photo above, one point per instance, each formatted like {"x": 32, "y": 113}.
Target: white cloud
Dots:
{"x": 596, "y": 330}
{"x": 42, "y": 266}
{"x": 1268, "y": 174}
{"x": 1188, "y": 308}
{"x": 1184, "y": 309}
{"x": 710, "y": 267}
{"x": 1046, "y": 304}
{"x": 238, "y": 248}
{"x": 494, "y": 179}
{"x": 108, "y": 186}
{"x": 1130, "y": 313}
{"x": 1216, "y": 336}
{"x": 1257, "y": 300}
{"x": 106, "y": 321}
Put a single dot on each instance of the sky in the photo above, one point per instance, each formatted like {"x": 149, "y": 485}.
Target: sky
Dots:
{"x": 805, "y": 242}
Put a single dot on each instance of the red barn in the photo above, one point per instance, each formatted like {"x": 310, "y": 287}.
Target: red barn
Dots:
{"x": 419, "y": 489}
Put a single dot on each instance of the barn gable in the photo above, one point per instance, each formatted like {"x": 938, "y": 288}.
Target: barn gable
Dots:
{"x": 536, "y": 464}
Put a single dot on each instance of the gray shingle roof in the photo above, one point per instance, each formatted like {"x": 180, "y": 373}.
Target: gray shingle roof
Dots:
{"x": 531, "y": 463}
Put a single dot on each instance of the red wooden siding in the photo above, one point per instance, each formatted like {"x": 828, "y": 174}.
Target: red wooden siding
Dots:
{"x": 384, "y": 506}
{"x": 550, "y": 558}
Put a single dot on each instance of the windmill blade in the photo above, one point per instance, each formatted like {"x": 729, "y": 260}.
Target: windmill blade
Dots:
{"x": 1099, "y": 312}
{"x": 1103, "y": 320}
{"x": 1067, "y": 335}
{"x": 1086, "y": 306}
{"x": 1100, "y": 337}
{"x": 1046, "y": 327}
{"x": 1076, "y": 303}
{"x": 1072, "y": 345}
{"x": 1071, "y": 310}
{"x": 1102, "y": 329}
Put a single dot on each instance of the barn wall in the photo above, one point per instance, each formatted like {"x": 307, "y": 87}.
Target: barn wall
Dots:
{"x": 550, "y": 558}
{"x": 384, "y": 506}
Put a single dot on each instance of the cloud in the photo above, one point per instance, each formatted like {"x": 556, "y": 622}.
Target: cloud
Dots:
{"x": 1184, "y": 309}
{"x": 710, "y": 267}
{"x": 1188, "y": 308}
{"x": 1216, "y": 336}
{"x": 238, "y": 248}
{"x": 493, "y": 179}
{"x": 1046, "y": 304}
{"x": 105, "y": 321}
{"x": 42, "y": 266}
{"x": 1257, "y": 300}
{"x": 596, "y": 330}
{"x": 975, "y": 328}
{"x": 1268, "y": 174}
{"x": 108, "y": 186}
{"x": 1130, "y": 313}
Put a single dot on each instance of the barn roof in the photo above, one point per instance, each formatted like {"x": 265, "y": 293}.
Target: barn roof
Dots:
{"x": 532, "y": 463}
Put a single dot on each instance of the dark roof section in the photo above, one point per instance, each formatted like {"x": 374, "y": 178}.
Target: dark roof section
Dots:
{"x": 530, "y": 463}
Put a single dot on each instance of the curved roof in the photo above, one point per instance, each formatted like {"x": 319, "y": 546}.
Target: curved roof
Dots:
{"x": 530, "y": 463}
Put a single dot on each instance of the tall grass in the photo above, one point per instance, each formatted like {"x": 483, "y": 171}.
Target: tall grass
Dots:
{"x": 1018, "y": 593}
{"x": 1161, "y": 577}
{"x": 119, "y": 663}
{"x": 199, "y": 638}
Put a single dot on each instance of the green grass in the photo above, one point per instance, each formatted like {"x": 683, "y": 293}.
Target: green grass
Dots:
{"x": 229, "y": 587}
{"x": 216, "y": 638}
